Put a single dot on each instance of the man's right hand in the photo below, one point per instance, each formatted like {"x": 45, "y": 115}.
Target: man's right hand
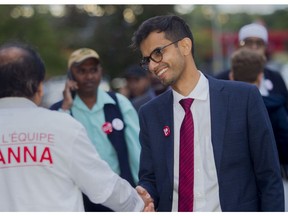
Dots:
{"x": 70, "y": 85}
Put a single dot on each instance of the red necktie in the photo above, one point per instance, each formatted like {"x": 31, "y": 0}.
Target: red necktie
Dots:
{"x": 186, "y": 167}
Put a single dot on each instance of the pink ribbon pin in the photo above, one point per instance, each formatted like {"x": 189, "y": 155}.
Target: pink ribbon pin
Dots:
{"x": 166, "y": 131}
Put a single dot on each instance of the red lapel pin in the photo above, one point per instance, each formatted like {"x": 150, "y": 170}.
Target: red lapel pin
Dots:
{"x": 166, "y": 131}
{"x": 107, "y": 127}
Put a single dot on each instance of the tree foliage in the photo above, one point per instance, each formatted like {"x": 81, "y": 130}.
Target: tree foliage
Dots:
{"x": 108, "y": 29}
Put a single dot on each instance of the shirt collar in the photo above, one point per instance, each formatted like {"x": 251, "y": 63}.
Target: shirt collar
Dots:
{"x": 16, "y": 102}
{"x": 200, "y": 92}
{"x": 102, "y": 99}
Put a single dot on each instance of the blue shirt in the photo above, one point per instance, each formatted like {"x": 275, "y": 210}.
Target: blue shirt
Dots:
{"x": 93, "y": 121}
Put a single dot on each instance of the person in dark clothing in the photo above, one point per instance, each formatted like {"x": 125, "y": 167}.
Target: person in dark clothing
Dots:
{"x": 231, "y": 161}
{"x": 276, "y": 109}
{"x": 139, "y": 85}
{"x": 247, "y": 66}
{"x": 255, "y": 37}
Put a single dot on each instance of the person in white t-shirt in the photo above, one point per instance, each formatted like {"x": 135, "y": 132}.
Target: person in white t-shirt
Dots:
{"x": 46, "y": 157}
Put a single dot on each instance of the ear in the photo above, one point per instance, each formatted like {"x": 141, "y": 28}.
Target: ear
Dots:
{"x": 39, "y": 94}
{"x": 231, "y": 75}
{"x": 259, "y": 78}
{"x": 100, "y": 69}
{"x": 186, "y": 46}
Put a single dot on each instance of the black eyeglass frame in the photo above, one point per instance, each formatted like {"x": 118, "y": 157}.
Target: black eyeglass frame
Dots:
{"x": 145, "y": 60}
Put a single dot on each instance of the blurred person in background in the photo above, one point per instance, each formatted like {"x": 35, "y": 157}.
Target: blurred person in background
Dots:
{"x": 139, "y": 85}
{"x": 47, "y": 158}
{"x": 110, "y": 118}
{"x": 247, "y": 66}
{"x": 119, "y": 85}
{"x": 255, "y": 36}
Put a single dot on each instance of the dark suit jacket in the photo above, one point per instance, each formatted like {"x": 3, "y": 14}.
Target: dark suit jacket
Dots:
{"x": 243, "y": 144}
{"x": 275, "y": 105}
{"x": 279, "y": 86}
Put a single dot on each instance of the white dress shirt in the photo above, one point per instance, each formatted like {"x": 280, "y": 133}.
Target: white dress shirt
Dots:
{"x": 206, "y": 188}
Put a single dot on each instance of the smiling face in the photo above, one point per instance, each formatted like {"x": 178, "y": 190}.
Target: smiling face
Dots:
{"x": 88, "y": 75}
{"x": 172, "y": 66}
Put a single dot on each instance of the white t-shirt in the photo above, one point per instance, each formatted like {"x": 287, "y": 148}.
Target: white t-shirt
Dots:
{"x": 47, "y": 159}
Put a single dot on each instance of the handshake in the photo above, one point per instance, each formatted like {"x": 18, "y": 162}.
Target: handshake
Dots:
{"x": 148, "y": 201}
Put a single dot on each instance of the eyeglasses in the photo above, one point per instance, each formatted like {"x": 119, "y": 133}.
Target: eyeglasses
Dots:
{"x": 156, "y": 56}
{"x": 250, "y": 43}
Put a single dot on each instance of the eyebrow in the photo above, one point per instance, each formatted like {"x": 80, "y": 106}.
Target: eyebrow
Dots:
{"x": 157, "y": 48}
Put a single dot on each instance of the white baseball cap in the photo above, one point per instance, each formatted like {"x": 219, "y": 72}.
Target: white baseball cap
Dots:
{"x": 253, "y": 30}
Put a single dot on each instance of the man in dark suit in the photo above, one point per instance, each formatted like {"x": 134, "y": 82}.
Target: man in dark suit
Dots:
{"x": 254, "y": 36}
{"x": 235, "y": 165}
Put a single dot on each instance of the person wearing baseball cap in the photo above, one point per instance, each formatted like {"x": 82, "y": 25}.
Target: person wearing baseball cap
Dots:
{"x": 110, "y": 119}
{"x": 255, "y": 36}
{"x": 81, "y": 54}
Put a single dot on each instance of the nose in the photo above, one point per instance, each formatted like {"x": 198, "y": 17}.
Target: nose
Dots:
{"x": 89, "y": 75}
{"x": 254, "y": 46}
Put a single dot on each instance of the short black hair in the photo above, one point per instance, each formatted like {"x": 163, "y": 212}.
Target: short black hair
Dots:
{"x": 21, "y": 70}
{"x": 174, "y": 27}
{"x": 135, "y": 71}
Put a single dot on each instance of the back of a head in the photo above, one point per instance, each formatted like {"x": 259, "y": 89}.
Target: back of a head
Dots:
{"x": 174, "y": 27}
{"x": 21, "y": 70}
{"x": 246, "y": 65}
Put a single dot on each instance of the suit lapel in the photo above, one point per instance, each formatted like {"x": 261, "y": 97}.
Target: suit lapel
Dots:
{"x": 218, "y": 106}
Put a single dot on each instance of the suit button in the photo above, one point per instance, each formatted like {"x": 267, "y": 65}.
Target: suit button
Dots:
{"x": 170, "y": 197}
